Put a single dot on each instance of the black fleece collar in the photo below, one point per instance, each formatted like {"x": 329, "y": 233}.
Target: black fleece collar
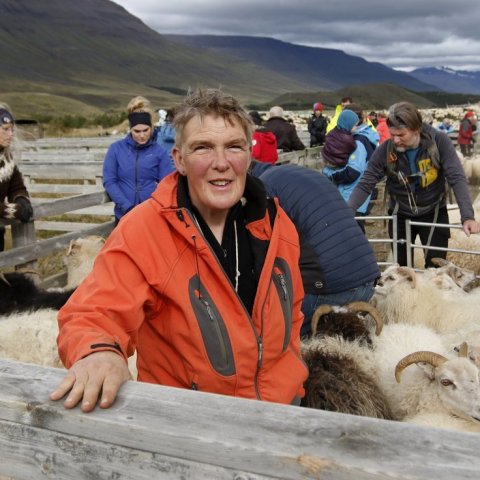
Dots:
{"x": 254, "y": 194}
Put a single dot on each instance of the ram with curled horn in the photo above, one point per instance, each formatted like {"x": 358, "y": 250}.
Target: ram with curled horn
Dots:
{"x": 346, "y": 321}
{"x": 431, "y": 358}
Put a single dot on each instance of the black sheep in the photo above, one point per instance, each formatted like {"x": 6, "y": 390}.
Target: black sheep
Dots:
{"x": 18, "y": 293}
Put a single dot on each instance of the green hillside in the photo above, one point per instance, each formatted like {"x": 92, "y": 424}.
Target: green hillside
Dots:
{"x": 95, "y": 52}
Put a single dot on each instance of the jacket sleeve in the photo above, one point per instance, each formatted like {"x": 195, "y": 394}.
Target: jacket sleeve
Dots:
{"x": 105, "y": 311}
{"x": 111, "y": 179}
{"x": 16, "y": 186}
{"x": 296, "y": 142}
{"x": 376, "y": 170}
{"x": 455, "y": 176}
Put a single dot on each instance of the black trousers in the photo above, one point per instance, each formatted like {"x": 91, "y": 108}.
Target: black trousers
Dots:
{"x": 439, "y": 238}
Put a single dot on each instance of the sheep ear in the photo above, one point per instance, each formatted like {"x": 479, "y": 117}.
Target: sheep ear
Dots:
{"x": 409, "y": 275}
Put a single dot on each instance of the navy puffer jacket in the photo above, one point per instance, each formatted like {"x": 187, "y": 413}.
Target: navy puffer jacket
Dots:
{"x": 335, "y": 255}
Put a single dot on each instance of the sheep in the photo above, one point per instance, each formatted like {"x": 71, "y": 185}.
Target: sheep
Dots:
{"x": 463, "y": 277}
{"x": 30, "y": 335}
{"x": 80, "y": 257}
{"x": 441, "y": 384}
{"x": 19, "y": 293}
{"x": 460, "y": 241}
{"x": 402, "y": 296}
{"x": 341, "y": 368}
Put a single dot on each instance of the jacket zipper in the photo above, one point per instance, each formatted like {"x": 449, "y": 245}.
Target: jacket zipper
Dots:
{"x": 136, "y": 201}
{"x": 214, "y": 321}
{"x": 258, "y": 338}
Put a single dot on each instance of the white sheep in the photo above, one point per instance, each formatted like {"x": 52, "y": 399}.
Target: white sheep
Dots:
{"x": 30, "y": 336}
{"x": 401, "y": 296}
{"x": 419, "y": 382}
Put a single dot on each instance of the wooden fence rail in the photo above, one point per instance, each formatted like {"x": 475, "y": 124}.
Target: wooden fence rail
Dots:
{"x": 160, "y": 432}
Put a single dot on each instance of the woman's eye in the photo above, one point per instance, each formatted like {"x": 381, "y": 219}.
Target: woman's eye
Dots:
{"x": 236, "y": 148}
{"x": 200, "y": 148}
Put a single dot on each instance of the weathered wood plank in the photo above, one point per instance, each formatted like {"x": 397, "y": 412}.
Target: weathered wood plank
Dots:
{"x": 43, "y": 248}
{"x": 63, "y": 205}
{"x": 237, "y": 438}
{"x": 63, "y": 226}
{"x": 64, "y": 170}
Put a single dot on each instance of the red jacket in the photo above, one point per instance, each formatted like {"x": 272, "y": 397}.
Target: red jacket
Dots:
{"x": 143, "y": 294}
{"x": 382, "y": 129}
{"x": 264, "y": 147}
{"x": 465, "y": 133}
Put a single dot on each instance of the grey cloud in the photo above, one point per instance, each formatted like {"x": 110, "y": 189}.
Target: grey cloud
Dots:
{"x": 399, "y": 34}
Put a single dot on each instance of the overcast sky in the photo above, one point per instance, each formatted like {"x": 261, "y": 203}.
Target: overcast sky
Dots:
{"x": 402, "y": 34}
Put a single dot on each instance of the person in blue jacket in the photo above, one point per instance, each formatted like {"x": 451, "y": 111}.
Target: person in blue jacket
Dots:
{"x": 337, "y": 263}
{"x": 346, "y": 177}
{"x": 166, "y": 133}
{"x": 135, "y": 164}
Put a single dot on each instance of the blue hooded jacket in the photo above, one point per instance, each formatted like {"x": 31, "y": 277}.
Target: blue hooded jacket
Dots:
{"x": 166, "y": 138}
{"x": 131, "y": 172}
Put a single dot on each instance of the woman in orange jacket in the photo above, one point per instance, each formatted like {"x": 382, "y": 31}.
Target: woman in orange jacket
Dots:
{"x": 202, "y": 279}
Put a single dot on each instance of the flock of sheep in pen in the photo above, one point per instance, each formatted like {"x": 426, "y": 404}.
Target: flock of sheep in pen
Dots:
{"x": 411, "y": 354}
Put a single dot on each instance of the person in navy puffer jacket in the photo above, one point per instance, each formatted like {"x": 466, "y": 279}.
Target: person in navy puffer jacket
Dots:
{"x": 337, "y": 263}
{"x": 134, "y": 165}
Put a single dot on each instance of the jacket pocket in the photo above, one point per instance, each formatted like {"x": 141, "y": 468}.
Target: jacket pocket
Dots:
{"x": 282, "y": 279}
{"x": 212, "y": 327}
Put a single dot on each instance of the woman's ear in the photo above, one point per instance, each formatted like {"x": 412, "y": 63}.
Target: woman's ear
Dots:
{"x": 178, "y": 159}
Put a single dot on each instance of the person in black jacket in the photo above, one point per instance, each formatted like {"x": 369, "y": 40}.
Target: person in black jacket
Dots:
{"x": 15, "y": 201}
{"x": 337, "y": 263}
{"x": 286, "y": 133}
{"x": 317, "y": 126}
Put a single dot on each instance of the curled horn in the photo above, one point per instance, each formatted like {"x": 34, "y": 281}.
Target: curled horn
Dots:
{"x": 319, "y": 312}
{"x": 70, "y": 246}
{"x": 463, "y": 350}
{"x": 370, "y": 309}
{"x": 439, "y": 262}
{"x": 432, "y": 358}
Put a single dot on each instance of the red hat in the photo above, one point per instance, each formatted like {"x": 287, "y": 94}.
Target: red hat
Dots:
{"x": 317, "y": 106}
{"x": 470, "y": 114}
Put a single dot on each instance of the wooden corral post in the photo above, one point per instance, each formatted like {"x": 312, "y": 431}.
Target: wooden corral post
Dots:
{"x": 156, "y": 432}
{"x": 23, "y": 234}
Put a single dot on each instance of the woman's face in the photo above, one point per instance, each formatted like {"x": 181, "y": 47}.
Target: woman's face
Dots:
{"x": 215, "y": 157}
{"x": 141, "y": 133}
{"x": 6, "y": 135}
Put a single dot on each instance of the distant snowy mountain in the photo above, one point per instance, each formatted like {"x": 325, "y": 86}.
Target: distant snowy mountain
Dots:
{"x": 448, "y": 79}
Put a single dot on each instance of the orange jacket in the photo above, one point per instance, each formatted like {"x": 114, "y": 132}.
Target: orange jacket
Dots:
{"x": 143, "y": 294}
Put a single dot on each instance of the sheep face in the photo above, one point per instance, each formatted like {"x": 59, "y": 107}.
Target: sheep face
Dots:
{"x": 80, "y": 258}
{"x": 459, "y": 388}
{"x": 392, "y": 277}
{"x": 455, "y": 386}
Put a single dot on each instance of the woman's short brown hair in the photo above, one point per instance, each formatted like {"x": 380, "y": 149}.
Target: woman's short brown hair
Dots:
{"x": 203, "y": 102}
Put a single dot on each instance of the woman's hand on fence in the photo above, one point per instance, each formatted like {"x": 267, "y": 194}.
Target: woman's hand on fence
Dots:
{"x": 100, "y": 375}
{"x": 24, "y": 210}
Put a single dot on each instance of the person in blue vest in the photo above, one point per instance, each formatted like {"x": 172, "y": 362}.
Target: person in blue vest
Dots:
{"x": 135, "y": 165}
{"x": 166, "y": 133}
{"x": 337, "y": 263}
{"x": 346, "y": 159}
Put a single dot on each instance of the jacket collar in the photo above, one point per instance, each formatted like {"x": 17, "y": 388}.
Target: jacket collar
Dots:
{"x": 254, "y": 198}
